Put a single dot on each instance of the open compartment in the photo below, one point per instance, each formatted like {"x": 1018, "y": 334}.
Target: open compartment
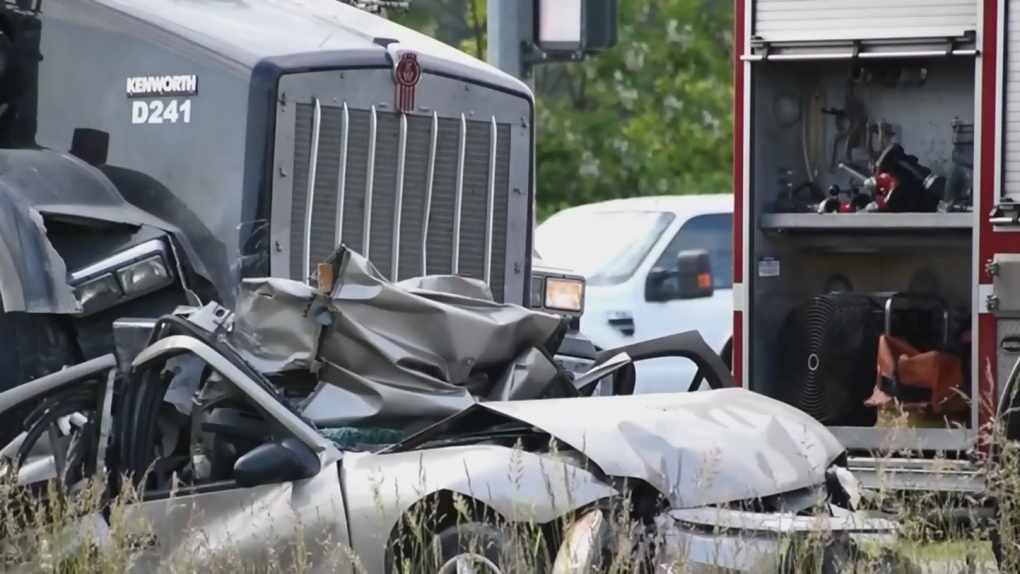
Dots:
{"x": 860, "y": 192}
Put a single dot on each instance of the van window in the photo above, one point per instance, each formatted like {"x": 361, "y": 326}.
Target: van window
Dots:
{"x": 605, "y": 246}
{"x": 712, "y": 233}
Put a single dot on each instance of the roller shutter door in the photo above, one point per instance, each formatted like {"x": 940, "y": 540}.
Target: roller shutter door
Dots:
{"x": 840, "y": 20}
{"x": 1011, "y": 99}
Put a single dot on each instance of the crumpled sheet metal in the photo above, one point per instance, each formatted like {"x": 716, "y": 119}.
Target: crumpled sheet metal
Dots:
{"x": 29, "y": 265}
{"x": 695, "y": 448}
{"x": 388, "y": 351}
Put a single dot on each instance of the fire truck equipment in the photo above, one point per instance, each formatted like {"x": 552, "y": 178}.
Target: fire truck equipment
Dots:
{"x": 889, "y": 74}
{"x": 851, "y": 126}
{"x": 910, "y": 380}
{"x": 838, "y": 334}
{"x": 917, "y": 189}
{"x": 959, "y": 189}
{"x": 825, "y": 350}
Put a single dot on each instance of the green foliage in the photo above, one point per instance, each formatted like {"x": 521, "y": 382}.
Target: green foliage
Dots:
{"x": 652, "y": 116}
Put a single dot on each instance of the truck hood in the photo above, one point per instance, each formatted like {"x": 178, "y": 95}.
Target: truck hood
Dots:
{"x": 697, "y": 449}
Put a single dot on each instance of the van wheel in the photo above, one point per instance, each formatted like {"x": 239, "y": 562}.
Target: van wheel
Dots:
{"x": 31, "y": 345}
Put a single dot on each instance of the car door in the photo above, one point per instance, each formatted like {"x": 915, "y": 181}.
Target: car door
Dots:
{"x": 202, "y": 519}
{"x": 57, "y": 447}
{"x": 711, "y": 316}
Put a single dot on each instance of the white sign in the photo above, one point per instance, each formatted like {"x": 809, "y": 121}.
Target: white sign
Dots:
{"x": 768, "y": 266}
{"x": 161, "y": 111}
{"x": 560, "y": 22}
{"x": 162, "y": 86}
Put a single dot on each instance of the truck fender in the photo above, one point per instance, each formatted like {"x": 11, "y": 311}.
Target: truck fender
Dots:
{"x": 33, "y": 276}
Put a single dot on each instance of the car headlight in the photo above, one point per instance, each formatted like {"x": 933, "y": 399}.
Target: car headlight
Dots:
{"x": 131, "y": 273}
{"x": 564, "y": 294}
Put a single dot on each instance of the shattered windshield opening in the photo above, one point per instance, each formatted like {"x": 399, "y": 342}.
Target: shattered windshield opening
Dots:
{"x": 606, "y": 247}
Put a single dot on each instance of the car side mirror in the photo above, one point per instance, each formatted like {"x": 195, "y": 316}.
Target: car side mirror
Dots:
{"x": 690, "y": 279}
{"x": 275, "y": 463}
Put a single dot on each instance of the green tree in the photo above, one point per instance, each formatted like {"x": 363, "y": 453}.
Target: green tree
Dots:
{"x": 651, "y": 116}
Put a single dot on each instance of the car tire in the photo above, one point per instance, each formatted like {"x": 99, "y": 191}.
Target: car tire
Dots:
{"x": 490, "y": 550}
{"x": 31, "y": 345}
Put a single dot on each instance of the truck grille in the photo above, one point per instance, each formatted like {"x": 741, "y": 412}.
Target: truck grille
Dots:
{"x": 415, "y": 194}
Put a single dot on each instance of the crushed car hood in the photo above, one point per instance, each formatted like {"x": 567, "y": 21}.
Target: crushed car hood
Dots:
{"x": 697, "y": 449}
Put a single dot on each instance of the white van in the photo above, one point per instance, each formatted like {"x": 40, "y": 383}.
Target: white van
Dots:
{"x": 620, "y": 246}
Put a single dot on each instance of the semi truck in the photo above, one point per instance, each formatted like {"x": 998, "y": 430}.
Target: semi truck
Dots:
{"x": 876, "y": 256}
{"x": 154, "y": 153}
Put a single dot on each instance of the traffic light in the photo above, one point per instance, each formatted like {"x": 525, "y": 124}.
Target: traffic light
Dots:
{"x": 574, "y": 27}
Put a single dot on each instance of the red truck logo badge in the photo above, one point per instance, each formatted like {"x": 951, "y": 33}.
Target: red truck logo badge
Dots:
{"x": 407, "y": 74}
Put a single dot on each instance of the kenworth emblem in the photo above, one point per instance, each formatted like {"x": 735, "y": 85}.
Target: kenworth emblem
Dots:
{"x": 407, "y": 74}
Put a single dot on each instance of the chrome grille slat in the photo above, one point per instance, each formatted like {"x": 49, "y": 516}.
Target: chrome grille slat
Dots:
{"x": 341, "y": 192}
{"x": 366, "y": 233}
{"x": 473, "y": 201}
{"x": 398, "y": 200}
{"x": 490, "y": 201}
{"x": 446, "y": 173}
{"x": 313, "y": 164}
{"x": 429, "y": 183}
{"x": 458, "y": 198}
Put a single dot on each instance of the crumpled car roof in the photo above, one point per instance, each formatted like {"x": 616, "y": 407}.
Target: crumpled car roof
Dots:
{"x": 384, "y": 350}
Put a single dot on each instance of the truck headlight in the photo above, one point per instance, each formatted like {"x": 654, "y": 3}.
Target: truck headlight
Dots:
{"x": 143, "y": 276}
{"x": 564, "y": 294}
{"x": 123, "y": 276}
{"x": 98, "y": 293}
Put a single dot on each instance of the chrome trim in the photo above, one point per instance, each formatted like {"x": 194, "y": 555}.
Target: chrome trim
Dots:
{"x": 430, "y": 181}
{"x": 459, "y": 194}
{"x": 313, "y": 166}
{"x": 490, "y": 200}
{"x": 398, "y": 202}
{"x": 345, "y": 126}
{"x": 863, "y": 55}
{"x": 122, "y": 259}
{"x": 366, "y": 234}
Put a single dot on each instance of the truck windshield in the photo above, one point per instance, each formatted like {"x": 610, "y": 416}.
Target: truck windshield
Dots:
{"x": 606, "y": 246}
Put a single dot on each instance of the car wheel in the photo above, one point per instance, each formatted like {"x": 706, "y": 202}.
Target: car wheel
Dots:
{"x": 481, "y": 549}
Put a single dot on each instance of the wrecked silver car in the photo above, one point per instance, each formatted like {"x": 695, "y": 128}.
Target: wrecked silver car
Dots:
{"x": 362, "y": 426}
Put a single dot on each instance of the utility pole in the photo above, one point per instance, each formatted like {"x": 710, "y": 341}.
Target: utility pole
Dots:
{"x": 509, "y": 31}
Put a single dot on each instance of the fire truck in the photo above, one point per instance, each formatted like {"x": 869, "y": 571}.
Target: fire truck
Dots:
{"x": 876, "y": 255}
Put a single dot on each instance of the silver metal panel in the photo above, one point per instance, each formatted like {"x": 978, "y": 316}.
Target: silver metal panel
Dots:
{"x": 435, "y": 163}
{"x": 899, "y": 474}
{"x": 903, "y": 439}
{"x": 835, "y": 20}
{"x": 892, "y": 221}
{"x": 1004, "y": 360}
{"x": 1011, "y": 103}
{"x": 1006, "y": 282}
